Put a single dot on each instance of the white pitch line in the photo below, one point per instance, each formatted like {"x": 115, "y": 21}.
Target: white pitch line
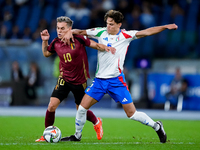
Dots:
{"x": 104, "y": 113}
{"x": 115, "y": 143}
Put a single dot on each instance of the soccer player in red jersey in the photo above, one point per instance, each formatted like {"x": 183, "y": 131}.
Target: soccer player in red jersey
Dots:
{"x": 73, "y": 68}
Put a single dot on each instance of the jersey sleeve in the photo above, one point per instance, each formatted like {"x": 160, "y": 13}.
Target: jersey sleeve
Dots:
{"x": 85, "y": 39}
{"x": 131, "y": 34}
{"x": 95, "y": 32}
{"x": 51, "y": 47}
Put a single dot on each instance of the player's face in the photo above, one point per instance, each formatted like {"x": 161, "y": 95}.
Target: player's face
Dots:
{"x": 62, "y": 29}
{"x": 112, "y": 27}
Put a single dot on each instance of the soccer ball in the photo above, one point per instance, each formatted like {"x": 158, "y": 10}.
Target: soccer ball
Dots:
{"x": 52, "y": 134}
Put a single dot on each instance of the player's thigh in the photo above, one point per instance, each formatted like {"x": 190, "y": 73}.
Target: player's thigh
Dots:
{"x": 120, "y": 94}
{"x": 97, "y": 89}
{"x": 61, "y": 90}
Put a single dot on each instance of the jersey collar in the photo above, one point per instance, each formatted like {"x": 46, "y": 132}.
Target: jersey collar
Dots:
{"x": 118, "y": 32}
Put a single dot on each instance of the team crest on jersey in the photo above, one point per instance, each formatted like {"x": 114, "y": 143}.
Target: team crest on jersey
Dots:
{"x": 92, "y": 29}
{"x": 72, "y": 46}
{"x": 117, "y": 39}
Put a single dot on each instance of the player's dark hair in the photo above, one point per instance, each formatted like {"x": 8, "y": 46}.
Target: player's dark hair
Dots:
{"x": 65, "y": 19}
{"x": 115, "y": 15}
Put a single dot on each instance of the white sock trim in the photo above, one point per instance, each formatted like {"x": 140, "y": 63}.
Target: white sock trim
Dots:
{"x": 132, "y": 117}
{"x": 77, "y": 135}
{"x": 143, "y": 118}
{"x": 156, "y": 126}
{"x": 81, "y": 108}
{"x": 97, "y": 122}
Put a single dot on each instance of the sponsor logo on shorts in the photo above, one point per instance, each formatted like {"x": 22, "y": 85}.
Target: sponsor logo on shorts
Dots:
{"x": 125, "y": 100}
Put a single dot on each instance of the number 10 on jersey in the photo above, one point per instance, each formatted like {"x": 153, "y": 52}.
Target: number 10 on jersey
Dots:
{"x": 67, "y": 57}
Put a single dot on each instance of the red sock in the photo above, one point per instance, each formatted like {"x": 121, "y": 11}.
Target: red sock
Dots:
{"x": 49, "y": 118}
{"x": 91, "y": 117}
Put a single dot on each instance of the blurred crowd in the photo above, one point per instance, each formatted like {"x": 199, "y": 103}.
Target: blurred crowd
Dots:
{"x": 25, "y": 19}
{"x": 23, "y": 85}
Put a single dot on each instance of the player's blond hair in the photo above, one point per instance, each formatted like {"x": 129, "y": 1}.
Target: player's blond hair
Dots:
{"x": 65, "y": 19}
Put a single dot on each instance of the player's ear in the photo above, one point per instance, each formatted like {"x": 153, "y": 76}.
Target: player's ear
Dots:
{"x": 119, "y": 24}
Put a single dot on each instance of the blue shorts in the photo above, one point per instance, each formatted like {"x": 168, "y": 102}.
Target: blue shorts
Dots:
{"x": 115, "y": 87}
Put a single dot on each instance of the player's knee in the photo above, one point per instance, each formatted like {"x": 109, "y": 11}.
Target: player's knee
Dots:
{"x": 130, "y": 113}
{"x": 81, "y": 109}
{"x": 53, "y": 104}
{"x": 52, "y": 107}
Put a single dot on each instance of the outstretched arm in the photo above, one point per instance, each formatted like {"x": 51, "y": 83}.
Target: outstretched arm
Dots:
{"x": 155, "y": 30}
{"x": 45, "y": 37}
{"x": 80, "y": 32}
{"x": 69, "y": 35}
{"x": 101, "y": 47}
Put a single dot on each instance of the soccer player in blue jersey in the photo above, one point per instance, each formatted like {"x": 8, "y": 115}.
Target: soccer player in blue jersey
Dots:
{"x": 109, "y": 75}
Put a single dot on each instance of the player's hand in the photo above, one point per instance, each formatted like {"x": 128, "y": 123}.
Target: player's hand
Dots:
{"x": 110, "y": 49}
{"x": 45, "y": 35}
{"x": 66, "y": 38}
{"x": 172, "y": 26}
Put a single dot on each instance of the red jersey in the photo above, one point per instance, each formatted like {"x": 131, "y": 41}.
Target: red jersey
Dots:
{"x": 73, "y": 59}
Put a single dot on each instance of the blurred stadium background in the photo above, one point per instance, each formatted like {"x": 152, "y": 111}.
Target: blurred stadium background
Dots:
{"x": 21, "y": 22}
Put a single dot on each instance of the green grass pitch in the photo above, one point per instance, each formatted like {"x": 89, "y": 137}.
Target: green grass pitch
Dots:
{"x": 21, "y": 133}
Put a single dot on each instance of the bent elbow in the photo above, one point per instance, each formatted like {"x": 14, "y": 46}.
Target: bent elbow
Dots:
{"x": 45, "y": 55}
